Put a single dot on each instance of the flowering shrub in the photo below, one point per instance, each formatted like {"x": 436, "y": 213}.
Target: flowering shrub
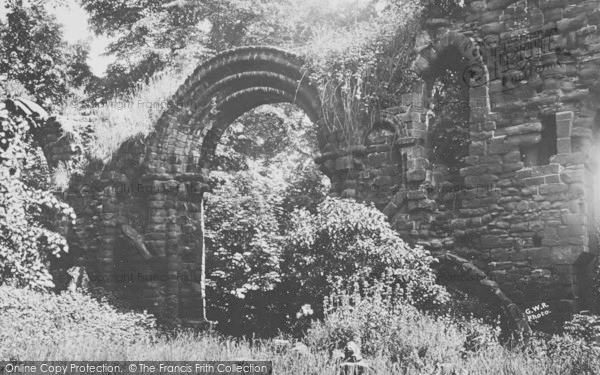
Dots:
{"x": 384, "y": 325}
{"x": 26, "y": 241}
{"x": 29, "y": 318}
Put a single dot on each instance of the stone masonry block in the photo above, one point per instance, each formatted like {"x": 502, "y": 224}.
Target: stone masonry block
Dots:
{"x": 553, "y": 189}
{"x": 477, "y": 148}
{"x": 545, "y": 170}
{"x": 524, "y": 139}
{"x": 564, "y": 124}
{"x": 501, "y": 146}
{"x": 572, "y": 175}
{"x": 564, "y": 254}
{"x": 416, "y": 175}
{"x": 571, "y": 159}
{"x": 533, "y": 127}
{"x": 569, "y": 24}
{"x": 563, "y": 145}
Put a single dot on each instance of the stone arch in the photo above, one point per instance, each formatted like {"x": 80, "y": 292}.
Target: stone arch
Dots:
{"x": 381, "y": 131}
{"x": 463, "y": 274}
{"x": 428, "y": 56}
{"x": 219, "y": 91}
{"x": 476, "y": 74}
{"x": 173, "y": 162}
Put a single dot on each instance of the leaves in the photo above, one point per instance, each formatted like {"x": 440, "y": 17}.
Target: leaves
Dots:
{"x": 25, "y": 244}
{"x": 34, "y": 53}
{"x": 352, "y": 242}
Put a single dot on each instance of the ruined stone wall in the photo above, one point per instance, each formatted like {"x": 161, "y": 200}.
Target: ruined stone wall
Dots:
{"x": 523, "y": 207}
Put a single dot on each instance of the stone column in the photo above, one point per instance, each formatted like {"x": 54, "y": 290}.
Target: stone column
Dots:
{"x": 107, "y": 234}
{"x": 156, "y": 233}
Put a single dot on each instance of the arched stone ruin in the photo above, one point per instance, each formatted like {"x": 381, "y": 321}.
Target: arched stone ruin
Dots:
{"x": 522, "y": 220}
{"x": 150, "y": 227}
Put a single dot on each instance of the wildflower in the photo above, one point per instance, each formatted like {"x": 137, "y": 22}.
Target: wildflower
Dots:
{"x": 305, "y": 310}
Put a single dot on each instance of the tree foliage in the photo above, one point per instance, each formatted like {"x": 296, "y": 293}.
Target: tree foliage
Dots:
{"x": 27, "y": 240}
{"x": 34, "y": 53}
{"x": 264, "y": 170}
{"x": 243, "y": 247}
{"x": 153, "y": 35}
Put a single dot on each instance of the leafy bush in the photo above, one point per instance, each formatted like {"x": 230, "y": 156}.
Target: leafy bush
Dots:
{"x": 409, "y": 341}
{"x": 30, "y": 318}
{"x": 243, "y": 234}
{"x": 27, "y": 213}
{"x": 348, "y": 241}
{"x": 260, "y": 278}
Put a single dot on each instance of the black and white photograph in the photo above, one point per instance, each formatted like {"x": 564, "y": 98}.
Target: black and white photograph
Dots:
{"x": 300, "y": 187}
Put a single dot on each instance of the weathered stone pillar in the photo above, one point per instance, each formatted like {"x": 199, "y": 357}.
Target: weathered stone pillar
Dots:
{"x": 156, "y": 229}
{"x": 108, "y": 234}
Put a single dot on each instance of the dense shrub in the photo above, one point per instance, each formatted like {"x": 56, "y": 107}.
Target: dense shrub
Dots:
{"x": 351, "y": 242}
{"x": 27, "y": 213}
{"x": 263, "y": 169}
{"x": 263, "y": 273}
{"x": 30, "y": 318}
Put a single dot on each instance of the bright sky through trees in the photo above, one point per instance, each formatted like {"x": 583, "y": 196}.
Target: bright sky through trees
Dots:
{"x": 75, "y": 21}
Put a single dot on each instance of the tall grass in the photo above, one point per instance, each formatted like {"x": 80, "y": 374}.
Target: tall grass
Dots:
{"x": 73, "y": 327}
{"x": 132, "y": 114}
{"x": 197, "y": 347}
{"x": 362, "y": 66}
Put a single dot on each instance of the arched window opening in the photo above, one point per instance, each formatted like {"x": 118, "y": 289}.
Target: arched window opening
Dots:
{"x": 449, "y": 112}
{"x": 382, "y": 132}
{"x": 445, "y": 9}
